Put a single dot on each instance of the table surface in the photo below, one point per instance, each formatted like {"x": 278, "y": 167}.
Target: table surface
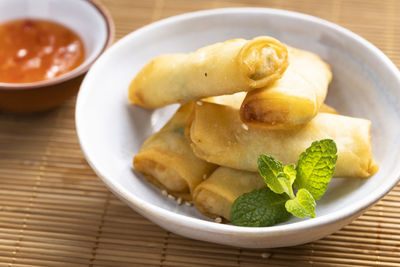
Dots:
{"x": 54, "y": 211}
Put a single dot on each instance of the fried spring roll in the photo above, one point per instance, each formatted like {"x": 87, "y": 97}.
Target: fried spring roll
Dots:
{"x": 214, "y": 197}
{"x": 328, "y": 109}
{"x": 292, "y": 100}
{"x": 167, "y": 160}
{"x": 222, "y": 68}
{"x": 219, "y": 136}
{"x": 236, "y": 101}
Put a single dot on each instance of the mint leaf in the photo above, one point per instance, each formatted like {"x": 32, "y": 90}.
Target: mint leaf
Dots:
{"x": 286, "y": 179}
{"x": 269, "y": 205}
{"x": 290, "y": 171}
{"x": 278, "y": 178}
{"x": 316, "y": 167}
{"x": 260, "y": 207}
{"x": 303, "y": 205}
{"x": 269, "y": 169}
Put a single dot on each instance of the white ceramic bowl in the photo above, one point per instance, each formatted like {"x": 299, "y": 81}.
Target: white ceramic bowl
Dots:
{"x": 365, "y": 84}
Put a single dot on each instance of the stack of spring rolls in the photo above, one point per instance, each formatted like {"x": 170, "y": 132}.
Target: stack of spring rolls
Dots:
{"x": 240, "y": 98}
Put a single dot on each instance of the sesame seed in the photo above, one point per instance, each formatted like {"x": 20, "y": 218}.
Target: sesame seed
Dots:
{"x": 199, "y": 103}
{"x": 265, "y": 255}
{"x": 244, "y": 126}
{"x": 164, "y": 192}
{"x": 218, "y": 220}
{"x": 204, "y": 176}
{"x": 179, "y": 200}
{"x": 171, "y": 197}
{"x": 189, "y": 204}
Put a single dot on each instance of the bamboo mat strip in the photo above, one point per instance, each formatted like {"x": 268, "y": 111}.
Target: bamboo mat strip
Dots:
{"x": 54, "y": 211}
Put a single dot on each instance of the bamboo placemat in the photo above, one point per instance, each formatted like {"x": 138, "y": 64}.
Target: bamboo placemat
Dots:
{"x": 54, "y": 211}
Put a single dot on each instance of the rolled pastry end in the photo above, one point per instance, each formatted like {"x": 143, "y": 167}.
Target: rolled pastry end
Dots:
{"x": 328, "y": 109}
{"x": 212, "y": 204}
{"x": 264, "y": 60}
{"x": 373, "y": 167}
{"x": 270, "y": 113}
{"x": 164, "y": 177}
{"x": 135, "y": 96}
{"x": 214, "y": 197}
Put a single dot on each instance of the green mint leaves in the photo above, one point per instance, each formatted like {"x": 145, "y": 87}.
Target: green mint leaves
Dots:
{"x": 275, "y": 203}
{"x": 269, "y": 168}
{"x": 261, "y": 207}
{"x": 303, "y": 205}
{"x": 316, "y": 167}
{"x": 278, "y": 178}
{"x": 289, "y": 172}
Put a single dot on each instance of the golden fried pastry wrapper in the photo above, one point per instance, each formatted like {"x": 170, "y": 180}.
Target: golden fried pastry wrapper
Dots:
{"x": 219, "y": 136}
{"x": 214, "y": 197}
{"x": 167, "y": 160}
{"x": 222, "y": 68}
{"x": 292, "y": 100}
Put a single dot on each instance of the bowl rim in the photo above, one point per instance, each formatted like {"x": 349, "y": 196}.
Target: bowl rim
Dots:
{"x": 104, "y": 13}
{"x": 158, "y": 214}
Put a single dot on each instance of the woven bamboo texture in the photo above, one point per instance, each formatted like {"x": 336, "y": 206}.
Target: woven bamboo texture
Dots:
{"x": 54, "y": 211}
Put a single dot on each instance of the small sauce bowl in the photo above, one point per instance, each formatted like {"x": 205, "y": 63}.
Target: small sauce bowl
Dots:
{"x": 87, "y": 18}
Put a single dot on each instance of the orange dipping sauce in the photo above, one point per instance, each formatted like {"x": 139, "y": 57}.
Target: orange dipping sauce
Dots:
{"x": 35, "y": 50}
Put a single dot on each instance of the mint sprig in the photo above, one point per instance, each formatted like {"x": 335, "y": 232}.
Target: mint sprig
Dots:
{"x": 303, "y": 205}
{"x": 316, "y": 167}
{"x": 274, "y": 203}
{"x": 260, "y": 207}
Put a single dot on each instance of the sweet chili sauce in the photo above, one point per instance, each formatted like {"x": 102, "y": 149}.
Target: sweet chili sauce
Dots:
{"x": 34, "y": 50}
